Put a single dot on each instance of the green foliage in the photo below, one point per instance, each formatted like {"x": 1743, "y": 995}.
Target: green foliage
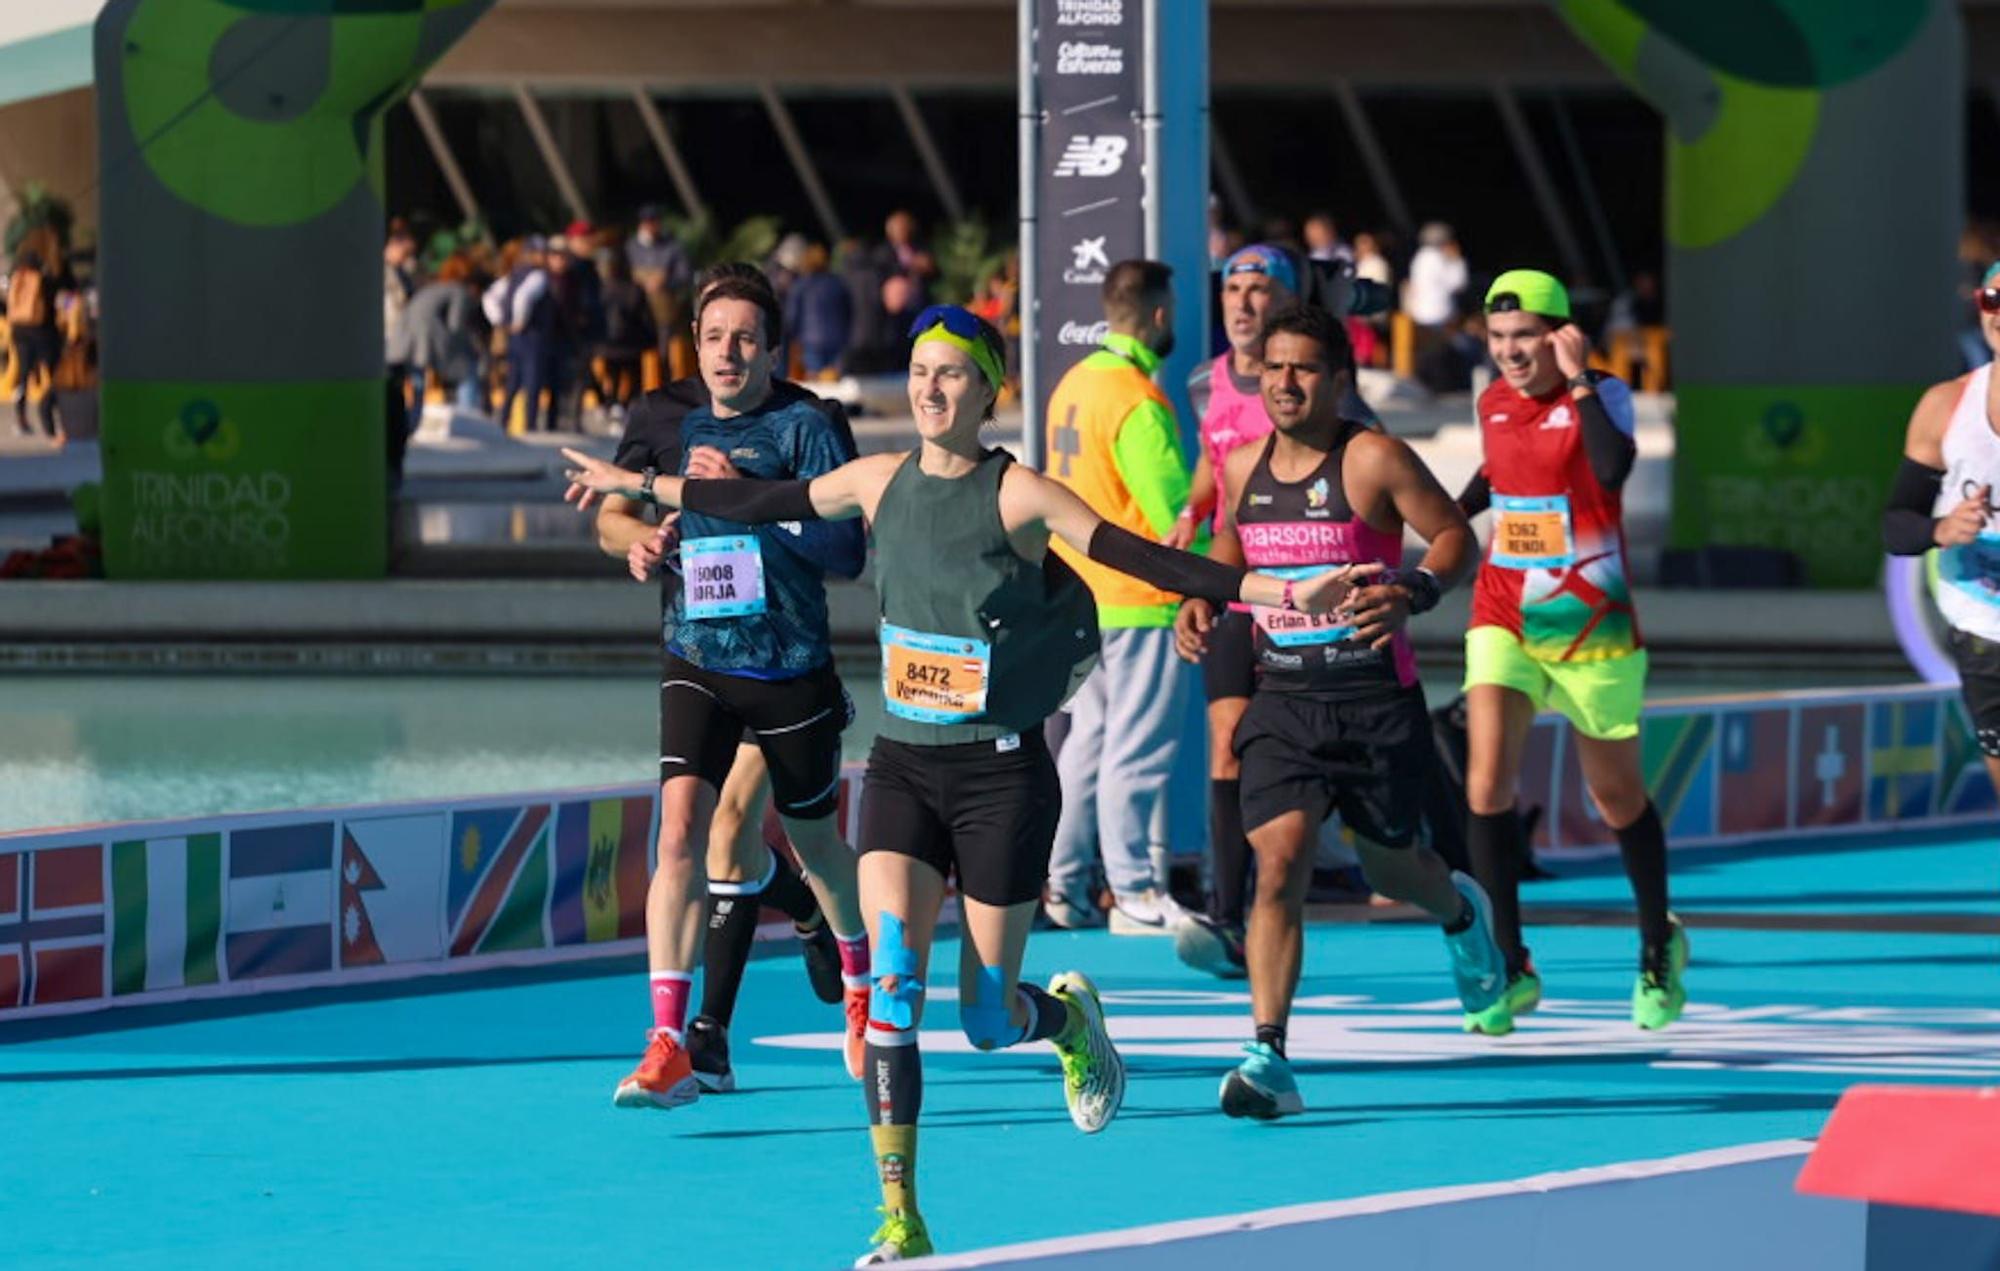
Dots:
{"x": 448, "y": 239}
{"x": 38, "y": 209}
{"x": 705, "y": 244}
{"x": 965, "y": 256}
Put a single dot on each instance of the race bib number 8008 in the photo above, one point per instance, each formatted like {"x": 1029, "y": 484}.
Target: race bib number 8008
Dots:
{"x": 723, "y": 576}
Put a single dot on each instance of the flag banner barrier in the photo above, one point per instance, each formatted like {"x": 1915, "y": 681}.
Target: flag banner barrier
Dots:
{"x": 149, "y": 912}
{"x": 143, "y": 913}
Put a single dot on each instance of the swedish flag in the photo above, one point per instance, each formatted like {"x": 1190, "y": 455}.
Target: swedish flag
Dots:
{"x": 1902, "y": 759}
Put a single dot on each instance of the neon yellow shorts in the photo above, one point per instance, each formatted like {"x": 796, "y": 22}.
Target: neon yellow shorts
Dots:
{"x": 1602, "y": 698}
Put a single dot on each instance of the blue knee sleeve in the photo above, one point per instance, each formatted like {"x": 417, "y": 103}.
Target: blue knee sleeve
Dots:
{"x": 986, "y": 1022}
{"x": 895, "y": 1008}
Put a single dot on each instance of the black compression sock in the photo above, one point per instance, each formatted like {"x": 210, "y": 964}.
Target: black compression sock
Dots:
{"x": 1643, "y": 847}
{"x": 1272, "y": 1035}
{"x": 1493, "y": 841}
{"x": 1231, "y": 851}
{"x": 788, "y": 893}
{"x": 732, "y": 929}
{"x": 1462, "y": 923}
{"x": 1047, "y": 1015}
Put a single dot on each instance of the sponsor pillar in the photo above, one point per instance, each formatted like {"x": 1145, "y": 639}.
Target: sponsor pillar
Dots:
{"x": 1814, "y": 197}
{"x": 1083, "y": 177}
{"x": 240, "y": 160}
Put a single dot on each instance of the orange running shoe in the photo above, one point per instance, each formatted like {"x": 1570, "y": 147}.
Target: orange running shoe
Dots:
{"x": 663, "y": 1079}
{"x": 854, "y": 1044}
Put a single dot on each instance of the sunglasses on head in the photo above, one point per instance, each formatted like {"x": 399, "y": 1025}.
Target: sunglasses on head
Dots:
{"x": 959, "y": 322}
{"x": 1989, "y": 299}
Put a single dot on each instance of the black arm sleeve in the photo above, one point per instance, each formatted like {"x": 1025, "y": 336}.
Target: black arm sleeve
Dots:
{"x": 751, "y": 502}
{"x": 1164, "y": 567}
{"x": 1908, "y": 528}
{"x": 1610, "y": 449}
{"x": 1477, "y": 495}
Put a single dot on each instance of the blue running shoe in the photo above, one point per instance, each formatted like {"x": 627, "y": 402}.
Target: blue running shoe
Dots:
{"x": 1261, "y": 1086}
{"x": 1476, "y": 961}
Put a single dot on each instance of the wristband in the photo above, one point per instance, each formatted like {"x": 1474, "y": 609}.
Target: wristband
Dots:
{"x": 1186, "y": 513}
{"x": 1423, "y": 589}
{"x": 1583, "y": 379}
{"x": 646, "y": 494}
{"x": 1290, "y": 604}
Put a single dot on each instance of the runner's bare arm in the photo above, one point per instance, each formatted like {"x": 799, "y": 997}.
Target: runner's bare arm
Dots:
{"x": 621, "y": 523}
{"x": 1028, "y": 498}
{"x": 1422, "y": 504}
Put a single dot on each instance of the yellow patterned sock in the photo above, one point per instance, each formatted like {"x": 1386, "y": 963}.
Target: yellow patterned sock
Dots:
{"x": 896, "y": 1163}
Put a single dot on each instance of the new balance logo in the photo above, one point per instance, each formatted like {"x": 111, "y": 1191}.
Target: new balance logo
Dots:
{"x": 1093, "y": 156}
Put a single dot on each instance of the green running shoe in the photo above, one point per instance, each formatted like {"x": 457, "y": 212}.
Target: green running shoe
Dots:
{"x": 901, "y": 1236}
{"x": 1660, "y": 995}
{"x": 1262, "y": 1086}
{"x": 1093, "y": 1074}
{"x": 1523, "y": 995}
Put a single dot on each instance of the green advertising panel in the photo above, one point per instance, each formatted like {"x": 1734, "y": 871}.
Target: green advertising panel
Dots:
{"x": 240, "y": 163}
{"x": 205, "y": 494}
{"x": 1800, "y": 468}
{"x": 1814, "y": 194}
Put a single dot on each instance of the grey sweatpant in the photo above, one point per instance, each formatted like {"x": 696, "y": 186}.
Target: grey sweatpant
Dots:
{"x": 1125, "y": 723}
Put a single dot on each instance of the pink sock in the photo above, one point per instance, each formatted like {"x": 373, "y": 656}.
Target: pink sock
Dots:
{"x": 670, "y": 1002}
{"x": 853, "y": 960}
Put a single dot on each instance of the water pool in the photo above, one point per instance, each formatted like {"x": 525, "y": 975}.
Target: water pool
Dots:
{"x": 84, "y": 748}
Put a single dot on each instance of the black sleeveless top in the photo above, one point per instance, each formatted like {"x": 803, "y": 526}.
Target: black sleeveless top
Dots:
{"x": 1298, "y": 529}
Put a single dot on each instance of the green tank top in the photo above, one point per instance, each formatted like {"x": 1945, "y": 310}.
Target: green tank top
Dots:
{"x": 977, "y": 643}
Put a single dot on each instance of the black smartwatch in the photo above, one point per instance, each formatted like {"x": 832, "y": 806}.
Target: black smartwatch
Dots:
{"x": 1585, "y": 379}
{"x": 646, "y": 494}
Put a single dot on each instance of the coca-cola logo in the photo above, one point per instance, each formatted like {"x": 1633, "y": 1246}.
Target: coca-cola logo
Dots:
{"x": 1083, "y": 334}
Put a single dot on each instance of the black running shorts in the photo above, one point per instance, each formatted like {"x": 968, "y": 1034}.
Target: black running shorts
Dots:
{"x": 705, "y": 715}
{"x": 985, "y": 812}
{"x": 1229, "y": 668}
{"x": 1367, "y": 758}
{"x": 1979, "y": 682}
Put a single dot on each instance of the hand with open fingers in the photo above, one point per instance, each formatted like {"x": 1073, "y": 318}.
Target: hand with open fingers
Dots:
{"x": 706, "y": 463}
{"x": 1572, "y": 349}
{"x": 591, "y": 478}
{"x": 1324, "y": 593}
{"x": 1377, "y": 613}
{"x": 1965, "y": 522}
{"x": 1191, "y": 627}
{"x": 1180, "y": 535}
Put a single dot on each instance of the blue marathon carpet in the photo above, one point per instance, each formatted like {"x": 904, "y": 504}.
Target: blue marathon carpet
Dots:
{"x": 468, "y": 1122}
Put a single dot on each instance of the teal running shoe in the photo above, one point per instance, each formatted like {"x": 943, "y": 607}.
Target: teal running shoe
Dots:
{"x": 1477, "y": 964}
{"x": 1261, "y": 1086}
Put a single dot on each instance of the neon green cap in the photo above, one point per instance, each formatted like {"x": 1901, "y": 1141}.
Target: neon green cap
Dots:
{"x": 1533, "y": 292}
